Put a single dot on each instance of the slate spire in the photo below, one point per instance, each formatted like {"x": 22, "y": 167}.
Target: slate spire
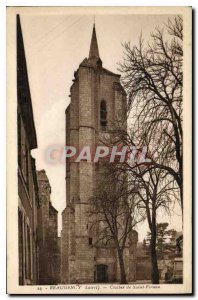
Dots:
{"x": 94, "y": 52}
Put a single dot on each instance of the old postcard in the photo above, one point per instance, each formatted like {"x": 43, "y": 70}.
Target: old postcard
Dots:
{"x": 99, "y": 141}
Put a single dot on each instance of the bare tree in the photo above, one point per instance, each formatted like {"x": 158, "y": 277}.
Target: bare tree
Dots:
{"x": 153, "y": 79}
{"x": 153, "y": 189}
{"x": 113, "y": 215}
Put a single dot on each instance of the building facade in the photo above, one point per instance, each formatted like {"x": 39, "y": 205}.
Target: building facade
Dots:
{"x": 97, "y": 101}
{"x": 47, "y": 233}
{"x": 28, "y": 200}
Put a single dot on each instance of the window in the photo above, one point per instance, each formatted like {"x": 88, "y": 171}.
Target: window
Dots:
{"x": 28, "y": 253}
{"x": 20, "y": 245}
{"x": 90, "y": 241}
{"x": 26, "y": 166}
{"x": 103, "y": 114}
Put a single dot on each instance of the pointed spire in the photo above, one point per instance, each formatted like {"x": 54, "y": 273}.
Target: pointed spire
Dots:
{"x": 94, "y": 52}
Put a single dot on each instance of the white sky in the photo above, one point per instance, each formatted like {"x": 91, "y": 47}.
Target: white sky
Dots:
{"x": 55, "y": 45}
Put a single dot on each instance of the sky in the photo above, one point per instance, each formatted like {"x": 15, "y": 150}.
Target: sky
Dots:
{"x": 55, "y": 45}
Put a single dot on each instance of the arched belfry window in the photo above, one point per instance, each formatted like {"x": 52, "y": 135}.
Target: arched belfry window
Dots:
{"x": 103, "y": 114}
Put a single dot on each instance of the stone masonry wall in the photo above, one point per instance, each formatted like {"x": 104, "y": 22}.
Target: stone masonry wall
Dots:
{"x": 47, "y": 234}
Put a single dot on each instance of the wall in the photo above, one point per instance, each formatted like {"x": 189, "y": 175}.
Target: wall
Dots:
{"x": 49, "y": 261}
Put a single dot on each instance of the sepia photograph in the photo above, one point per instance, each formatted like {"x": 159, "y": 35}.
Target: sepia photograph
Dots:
{"x": 99, "y": 129}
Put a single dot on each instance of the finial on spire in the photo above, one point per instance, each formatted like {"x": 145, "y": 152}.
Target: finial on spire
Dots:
{"x": 94, "y": 52}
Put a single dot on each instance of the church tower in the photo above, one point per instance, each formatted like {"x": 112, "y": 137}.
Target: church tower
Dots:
{"x": 97, "y": 100}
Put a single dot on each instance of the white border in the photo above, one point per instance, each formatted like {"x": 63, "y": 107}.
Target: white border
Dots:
{"x": 3, "y": 5}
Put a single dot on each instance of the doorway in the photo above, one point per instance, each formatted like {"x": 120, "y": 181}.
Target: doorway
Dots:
{"x": 101, "y": 274}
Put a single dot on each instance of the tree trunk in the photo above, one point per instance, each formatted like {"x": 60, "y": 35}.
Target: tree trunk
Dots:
{"x": 123, "y": 279}
{"x": 154, "y": 270}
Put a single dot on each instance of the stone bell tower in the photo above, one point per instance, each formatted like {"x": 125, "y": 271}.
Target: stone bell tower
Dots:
{"x": 97, "y": 99}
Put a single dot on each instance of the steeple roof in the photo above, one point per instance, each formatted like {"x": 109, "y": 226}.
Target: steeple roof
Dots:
{"x": 94, "y": 52}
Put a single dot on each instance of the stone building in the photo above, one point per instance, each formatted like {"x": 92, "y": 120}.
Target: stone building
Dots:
{"x": 97, "y": 100}
{"x": 49, "y": 262}
{"x": 28, "y": 200}
{"x": 143, "y": 267}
